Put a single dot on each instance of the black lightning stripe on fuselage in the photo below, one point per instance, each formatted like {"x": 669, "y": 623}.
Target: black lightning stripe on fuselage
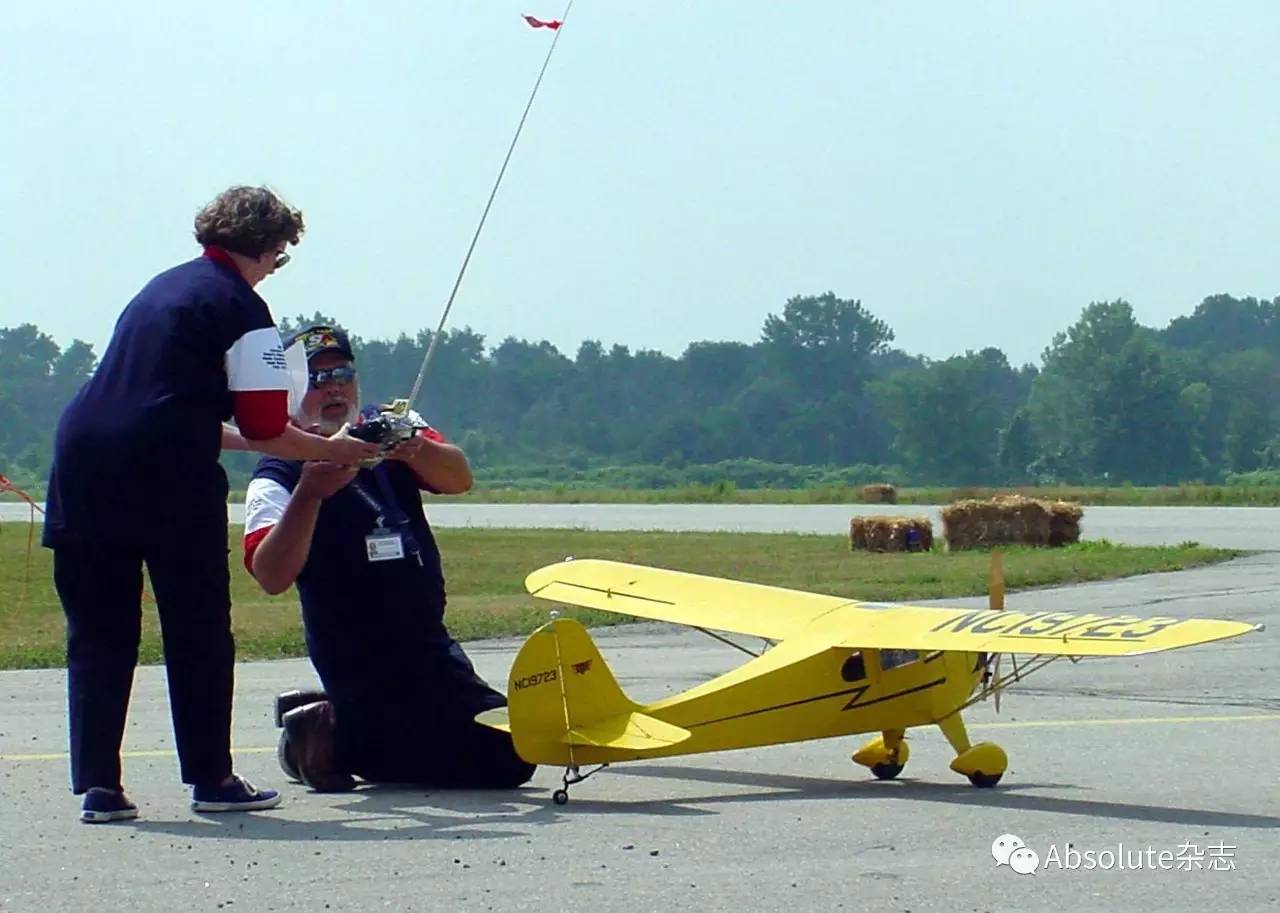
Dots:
{"x": 854, "y": 705}
{"x": 856, "y": 692}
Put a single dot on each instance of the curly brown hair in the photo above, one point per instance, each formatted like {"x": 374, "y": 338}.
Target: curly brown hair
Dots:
{"x": 248, "y": 221}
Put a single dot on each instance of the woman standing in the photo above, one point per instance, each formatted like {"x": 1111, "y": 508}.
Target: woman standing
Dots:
{"x": 136, "y": 480}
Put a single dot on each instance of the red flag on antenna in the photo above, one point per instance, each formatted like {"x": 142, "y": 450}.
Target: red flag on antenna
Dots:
{"x": 539, "y": 24}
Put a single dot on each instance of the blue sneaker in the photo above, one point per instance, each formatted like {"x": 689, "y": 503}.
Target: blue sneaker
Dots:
{"x": 237, "y": 796}
{"x": 102, "y": 805}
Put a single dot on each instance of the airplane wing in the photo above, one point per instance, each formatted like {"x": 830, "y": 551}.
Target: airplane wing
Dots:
{"x": 777, "y": 613}
{"x": 1043, "y": 633}
{"x": 770, "y": 612}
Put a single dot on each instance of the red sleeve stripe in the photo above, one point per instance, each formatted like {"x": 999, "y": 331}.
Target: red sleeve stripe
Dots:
{"x": 251, "y": 542}
{"x": 430, "y": 434}
{"x": 261, "y": 414}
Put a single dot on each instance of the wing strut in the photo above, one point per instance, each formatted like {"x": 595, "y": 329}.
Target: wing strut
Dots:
{"x": 734, "y": 644}
{"x": 997, "y": 683}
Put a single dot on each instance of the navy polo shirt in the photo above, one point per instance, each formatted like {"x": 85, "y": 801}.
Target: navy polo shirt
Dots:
{"x": 371, "y": 626}
{"x": 136, "y": 453}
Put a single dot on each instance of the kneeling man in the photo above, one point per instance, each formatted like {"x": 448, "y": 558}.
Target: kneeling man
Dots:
{"x": 400, "y": 696}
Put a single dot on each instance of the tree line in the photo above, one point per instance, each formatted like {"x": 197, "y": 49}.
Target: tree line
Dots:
{"x": 821, "y": 396}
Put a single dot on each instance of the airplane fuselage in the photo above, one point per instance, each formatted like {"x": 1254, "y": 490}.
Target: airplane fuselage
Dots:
{"x": 836, "y": 692}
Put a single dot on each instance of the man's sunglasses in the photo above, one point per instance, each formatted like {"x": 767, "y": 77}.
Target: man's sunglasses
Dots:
{"x": 281, "y": 259}
{"x": 343, "y": 375}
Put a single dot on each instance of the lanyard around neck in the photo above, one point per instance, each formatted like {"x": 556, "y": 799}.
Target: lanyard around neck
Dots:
{"x": 388, "y": 510}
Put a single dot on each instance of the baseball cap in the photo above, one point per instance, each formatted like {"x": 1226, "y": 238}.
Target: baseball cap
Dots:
{"x": 320, "y": 338}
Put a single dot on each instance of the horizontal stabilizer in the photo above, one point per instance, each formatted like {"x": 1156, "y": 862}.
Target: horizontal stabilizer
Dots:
{"x": 632, "y": 731}
{"x": 497, "y": 718}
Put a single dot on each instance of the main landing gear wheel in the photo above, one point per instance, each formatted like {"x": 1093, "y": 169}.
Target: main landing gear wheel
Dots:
{"x": 984, "y": 764}
{"x": 885, "y": 755}
{"x": 886, "y": 771}
{"x": 560, "y": 797}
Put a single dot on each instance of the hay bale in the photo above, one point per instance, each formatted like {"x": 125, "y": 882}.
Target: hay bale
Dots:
{"x": 881, "y": 493}
{"x": 890, "y": 534}
{"x": 1010, "y": 520}
{"x": 1064, "y": 522}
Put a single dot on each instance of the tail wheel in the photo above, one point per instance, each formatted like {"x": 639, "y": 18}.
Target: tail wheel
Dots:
{"x": 560, "y": 797}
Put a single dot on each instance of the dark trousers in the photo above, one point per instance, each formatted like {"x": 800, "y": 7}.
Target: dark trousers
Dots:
{"x": 425, "y": 733}
{"x": 458, "y": 756}
{"x": 101, "y": 593}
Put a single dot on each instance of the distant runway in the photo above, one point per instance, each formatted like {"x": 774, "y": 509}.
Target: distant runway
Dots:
{"x": 1255, "y": 528}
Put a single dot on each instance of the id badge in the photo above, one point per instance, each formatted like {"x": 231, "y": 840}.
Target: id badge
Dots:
{"x": 384, "y": 545}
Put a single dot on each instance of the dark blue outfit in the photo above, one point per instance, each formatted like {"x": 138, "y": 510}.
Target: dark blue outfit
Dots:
{"x": 404, "y": 693}
{"x": 136, "y": 480}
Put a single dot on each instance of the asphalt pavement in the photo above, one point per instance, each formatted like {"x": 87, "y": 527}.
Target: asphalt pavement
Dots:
{"x": 1158, "y": 773}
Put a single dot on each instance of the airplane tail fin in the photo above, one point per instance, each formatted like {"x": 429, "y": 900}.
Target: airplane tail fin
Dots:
{"x": 565, "y": 706}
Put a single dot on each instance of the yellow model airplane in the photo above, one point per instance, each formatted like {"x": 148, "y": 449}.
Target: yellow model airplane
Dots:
{"x": 839, "y": 667}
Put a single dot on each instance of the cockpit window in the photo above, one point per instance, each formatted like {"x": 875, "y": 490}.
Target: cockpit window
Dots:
{"x": 854, "y": 668}
{"x": 892, "y": 659}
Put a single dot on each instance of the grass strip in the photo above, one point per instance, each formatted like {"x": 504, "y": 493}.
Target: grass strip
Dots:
{"x": 486, "y": 568}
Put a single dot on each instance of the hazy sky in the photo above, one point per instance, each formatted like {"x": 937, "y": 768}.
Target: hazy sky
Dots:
{"x": 975, "y": 173}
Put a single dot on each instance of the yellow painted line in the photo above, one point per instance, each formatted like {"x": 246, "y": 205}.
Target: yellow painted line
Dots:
{"x": 1030, "y": 724}
{"x": 155, "y": 753}
{"x": 1131, "y": 721}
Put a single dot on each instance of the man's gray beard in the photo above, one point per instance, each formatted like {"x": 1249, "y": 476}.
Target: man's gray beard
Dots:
{"x": 329, "y": 428}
